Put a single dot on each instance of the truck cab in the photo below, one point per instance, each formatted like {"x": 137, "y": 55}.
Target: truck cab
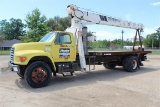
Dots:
{"x": 56, "y": 50}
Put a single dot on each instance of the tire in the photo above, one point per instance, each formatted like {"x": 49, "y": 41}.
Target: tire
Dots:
{"x": 132, "y": 64}
{"x": 105, "y": 65}
{"x": 38, "y": 74}
{"x": 109, "y": 66}
{"x": 124, "y": 63}
{"x": 140, "y": 62}
{"x": 21, "y": 73}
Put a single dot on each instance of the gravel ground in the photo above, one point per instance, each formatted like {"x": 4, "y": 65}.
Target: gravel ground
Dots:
{"x": 99, "y": 88}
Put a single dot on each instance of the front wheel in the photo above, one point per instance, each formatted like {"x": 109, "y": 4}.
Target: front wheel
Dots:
{"x": 38, "y": 74}
{"x": 21, "y": 71}
{"x": 20, "y": 74}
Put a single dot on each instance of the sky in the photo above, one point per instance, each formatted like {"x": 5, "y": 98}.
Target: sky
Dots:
{"x": 146, "y": 12}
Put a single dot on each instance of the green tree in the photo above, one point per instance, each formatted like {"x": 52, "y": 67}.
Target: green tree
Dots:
{"x": 89, "y": 33}
{"x": 1, "y": 37}
{"x": 99, "y": 44}
{"x": 58, "y": 23}
{"x": 152, "y": 39}
{"x": 37, "y": 26}
{"x": 128, "y": 42}
{"x": 106, "y": 43}
{"x": 117, "y": 41}
{"x": 158, "y": 31}
{"x": 12, "y": 29}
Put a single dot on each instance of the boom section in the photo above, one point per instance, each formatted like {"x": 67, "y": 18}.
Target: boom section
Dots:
{"x": 96, "y": 18}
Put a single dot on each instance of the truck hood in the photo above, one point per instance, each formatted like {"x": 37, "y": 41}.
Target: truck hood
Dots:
{"x": 30, "y": 46}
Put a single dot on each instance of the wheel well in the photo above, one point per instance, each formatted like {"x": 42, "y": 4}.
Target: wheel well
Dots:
{"x": 43, "y": 59}
{"x": 124, "y": 57}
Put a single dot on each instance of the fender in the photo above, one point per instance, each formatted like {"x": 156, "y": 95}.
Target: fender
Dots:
{"x": 29, "y": 54}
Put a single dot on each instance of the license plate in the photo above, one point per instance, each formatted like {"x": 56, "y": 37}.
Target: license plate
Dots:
{"x": 15, "y": 69}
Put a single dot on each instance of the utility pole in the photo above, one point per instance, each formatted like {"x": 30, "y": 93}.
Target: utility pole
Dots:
{"x": 122, "y": 38}
{"x": 152, "y": 42}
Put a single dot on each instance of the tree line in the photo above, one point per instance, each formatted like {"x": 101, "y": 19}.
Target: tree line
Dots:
{"x": 37, "y": 25}
{"x": 115, "y": 44}
{"x": 153, "y": 40}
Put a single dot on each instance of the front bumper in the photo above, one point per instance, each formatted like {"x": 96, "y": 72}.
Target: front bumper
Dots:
{"x": 13, "y": 67}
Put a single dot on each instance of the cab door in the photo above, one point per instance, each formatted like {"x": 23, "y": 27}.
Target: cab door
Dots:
{"x": 63, "y": 48}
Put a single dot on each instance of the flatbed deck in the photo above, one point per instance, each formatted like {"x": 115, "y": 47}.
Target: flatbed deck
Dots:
{"x": 118, "y": 52}
{"x": 119, "y": 58}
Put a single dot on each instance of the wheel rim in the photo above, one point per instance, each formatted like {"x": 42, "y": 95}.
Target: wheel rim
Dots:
{"x": 134, "y": 64}
{"x": 39, "y": 75}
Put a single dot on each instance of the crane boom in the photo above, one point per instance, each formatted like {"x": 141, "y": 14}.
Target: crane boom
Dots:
{"x": 77, "y": 16}
{"x": 73, "y": 11}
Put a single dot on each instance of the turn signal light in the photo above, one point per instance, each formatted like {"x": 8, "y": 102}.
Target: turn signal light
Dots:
{"x": 22, "y": 59}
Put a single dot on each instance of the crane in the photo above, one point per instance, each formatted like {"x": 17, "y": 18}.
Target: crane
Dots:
{"x": 77, "y": 18}
{"x": 63, "y": 51}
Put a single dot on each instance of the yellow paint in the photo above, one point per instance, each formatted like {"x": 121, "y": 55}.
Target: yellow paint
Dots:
{"x": 24, "y": 52}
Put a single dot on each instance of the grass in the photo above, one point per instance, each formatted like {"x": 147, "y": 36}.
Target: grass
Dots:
{"x": 6, "y": 52}
{"x": 155, "y": 52}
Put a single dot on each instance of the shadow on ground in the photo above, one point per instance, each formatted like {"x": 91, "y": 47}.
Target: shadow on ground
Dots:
{"x": 80, "y": 79}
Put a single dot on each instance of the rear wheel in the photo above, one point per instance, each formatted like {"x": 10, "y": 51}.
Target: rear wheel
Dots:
{"x": 38, "y": 74}
{"x": 124, "y": 63}
{"x": 109, "y": 65}
{"x": 132, "y": 64}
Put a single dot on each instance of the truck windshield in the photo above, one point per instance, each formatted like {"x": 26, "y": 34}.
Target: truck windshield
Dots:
{"x": 48, "y": 37}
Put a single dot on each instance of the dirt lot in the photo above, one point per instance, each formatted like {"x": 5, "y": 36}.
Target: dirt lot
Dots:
{"x": 99, "y": 88}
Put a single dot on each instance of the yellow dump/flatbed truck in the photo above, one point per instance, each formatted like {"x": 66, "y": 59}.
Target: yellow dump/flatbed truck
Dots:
{"x": 59, "y": 52}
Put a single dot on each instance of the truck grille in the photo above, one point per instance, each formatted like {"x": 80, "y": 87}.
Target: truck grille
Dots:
{"x": 12, "y": 55}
